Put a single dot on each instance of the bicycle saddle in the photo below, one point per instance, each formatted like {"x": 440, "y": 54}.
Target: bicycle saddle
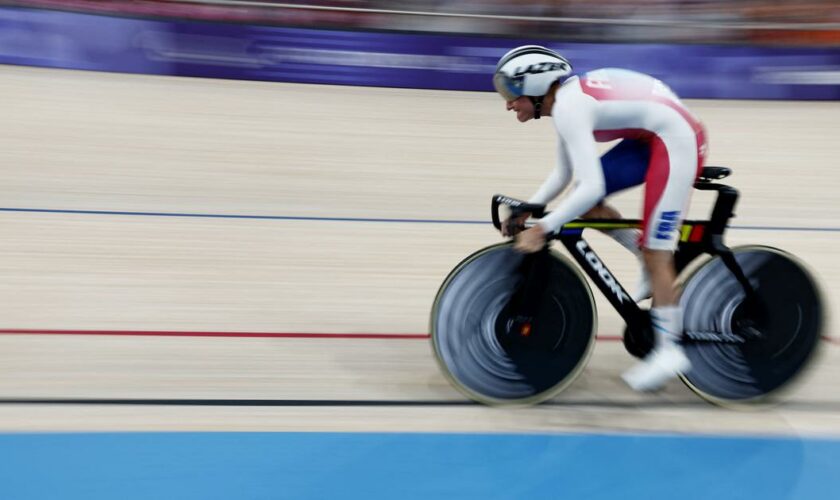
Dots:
{"x": 714, "y": 173}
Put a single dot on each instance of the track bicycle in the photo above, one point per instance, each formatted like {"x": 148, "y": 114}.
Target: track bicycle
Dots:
{"x": 515, "y": 329}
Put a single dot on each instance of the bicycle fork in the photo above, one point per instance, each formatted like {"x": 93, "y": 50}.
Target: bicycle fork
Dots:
{"x": 525, "y": 302}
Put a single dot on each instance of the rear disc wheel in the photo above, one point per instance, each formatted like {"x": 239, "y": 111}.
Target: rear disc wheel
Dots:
{"x": 745, "y": 353}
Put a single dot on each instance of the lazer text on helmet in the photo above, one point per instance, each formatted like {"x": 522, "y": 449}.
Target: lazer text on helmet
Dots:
{"x": 540, "y": 68}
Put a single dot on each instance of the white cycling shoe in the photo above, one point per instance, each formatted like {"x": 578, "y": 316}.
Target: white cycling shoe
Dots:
{"x": 665, "y": 362}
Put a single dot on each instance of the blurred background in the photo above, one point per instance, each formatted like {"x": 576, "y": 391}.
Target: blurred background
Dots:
{"x": 808, "y": 22}
{"x": 746, "y": 49}
{"x": 224, "y": 215}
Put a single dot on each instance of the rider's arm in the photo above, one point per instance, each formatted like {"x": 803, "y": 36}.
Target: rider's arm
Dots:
{"x": 557, "y": 180}
{"x": 574, "y": 121}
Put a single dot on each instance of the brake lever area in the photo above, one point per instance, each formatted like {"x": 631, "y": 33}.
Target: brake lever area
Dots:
{"x": 517, "y": 208}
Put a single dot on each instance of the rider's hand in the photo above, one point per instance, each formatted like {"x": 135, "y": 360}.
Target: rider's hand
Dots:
{"x": 531, "y": 240}
{"x": 512, "y": 227}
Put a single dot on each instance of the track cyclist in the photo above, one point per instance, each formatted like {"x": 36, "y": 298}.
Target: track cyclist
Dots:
{"x": 662, "y": 145}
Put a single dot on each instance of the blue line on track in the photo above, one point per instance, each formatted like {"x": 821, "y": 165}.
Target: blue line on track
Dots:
{"x": 227, "y": 465}
{"x": 235, "y": 216}
{"x": 344, "y": 219}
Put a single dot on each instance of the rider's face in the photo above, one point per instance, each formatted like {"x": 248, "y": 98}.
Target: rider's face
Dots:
{"x": 524, "y": 108}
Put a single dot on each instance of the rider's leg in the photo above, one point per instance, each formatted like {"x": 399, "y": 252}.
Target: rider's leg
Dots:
{"x": 666, "y": 315}
{"x": 629, "y": 239}
{"x": 668, "y": 185}
{"x": 663, "y": 276}
{"x": 624, "y": 166}
{"x": 667, "y": 359}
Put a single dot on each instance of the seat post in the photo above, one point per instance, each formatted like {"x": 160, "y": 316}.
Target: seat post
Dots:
{"x": 724, "y": 208}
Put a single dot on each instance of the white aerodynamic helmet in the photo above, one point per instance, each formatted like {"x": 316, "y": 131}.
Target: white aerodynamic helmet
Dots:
{"x": 529, "y": 70}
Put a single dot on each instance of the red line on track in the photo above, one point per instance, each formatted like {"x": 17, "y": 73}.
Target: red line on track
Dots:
{"x": 284, "y": 335}
{"x": 159, "y": 333}
{"x": 281, "y": 335}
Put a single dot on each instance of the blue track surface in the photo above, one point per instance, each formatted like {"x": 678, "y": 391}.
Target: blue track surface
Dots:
{"x": 407, "y": 466}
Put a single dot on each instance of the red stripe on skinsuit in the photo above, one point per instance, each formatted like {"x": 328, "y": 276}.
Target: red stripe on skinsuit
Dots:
{"x": 644, "y": 92}
{"x": 656, "y": 179}
{"x": 702, "y": 148}
{"x": 622, "y": 133}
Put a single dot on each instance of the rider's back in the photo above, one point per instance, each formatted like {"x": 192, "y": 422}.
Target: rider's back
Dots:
{"x": 619, "y": 103}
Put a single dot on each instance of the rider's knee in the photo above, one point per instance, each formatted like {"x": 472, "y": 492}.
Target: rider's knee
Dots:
{"x": 602, "y": 211}
{"x": 656, "y": 259}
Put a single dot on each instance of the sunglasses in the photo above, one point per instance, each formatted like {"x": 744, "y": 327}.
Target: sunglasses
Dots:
{"x": 509, "y": 88}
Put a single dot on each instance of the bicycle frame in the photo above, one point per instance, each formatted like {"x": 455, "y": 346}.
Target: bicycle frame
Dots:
{"x": 697, "y": 237}
{"x": 694, "y": 241}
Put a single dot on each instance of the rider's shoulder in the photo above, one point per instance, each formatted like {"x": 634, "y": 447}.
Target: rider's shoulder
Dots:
{"x": 568, "y": 89}
{"x": 569, "y": 93}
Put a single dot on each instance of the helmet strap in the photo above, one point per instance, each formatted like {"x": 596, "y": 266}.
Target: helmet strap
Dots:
{"x": 538, "y": 102}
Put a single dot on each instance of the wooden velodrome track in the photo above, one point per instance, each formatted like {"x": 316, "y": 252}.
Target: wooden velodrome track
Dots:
{"x": 325, "y": 157}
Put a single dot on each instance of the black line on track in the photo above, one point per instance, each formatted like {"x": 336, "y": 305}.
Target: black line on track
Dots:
{"x": 229, "y": 402}
{"x": 817, "y": 406}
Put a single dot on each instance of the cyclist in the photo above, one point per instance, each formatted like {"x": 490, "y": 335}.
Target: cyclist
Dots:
{"x": 662, "y": 146}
